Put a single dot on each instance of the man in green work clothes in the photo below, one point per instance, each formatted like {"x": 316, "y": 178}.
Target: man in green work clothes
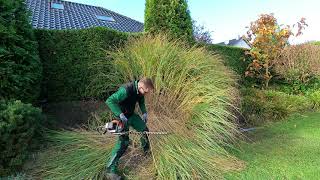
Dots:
{"x": 122, "y": 104}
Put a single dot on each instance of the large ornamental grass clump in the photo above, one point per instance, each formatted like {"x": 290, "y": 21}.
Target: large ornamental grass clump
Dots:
{"x": 193, "y": 100}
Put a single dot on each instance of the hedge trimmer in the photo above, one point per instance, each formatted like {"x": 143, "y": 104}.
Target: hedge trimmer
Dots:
{"x": 116, "y": 127}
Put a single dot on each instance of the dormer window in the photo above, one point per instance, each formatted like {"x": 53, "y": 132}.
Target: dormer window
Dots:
{"x": 105, "y": 18}
{"x": 57, "y": 6}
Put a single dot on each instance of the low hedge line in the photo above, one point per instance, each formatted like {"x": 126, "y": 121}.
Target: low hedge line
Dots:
{"x": 261, "y": 106}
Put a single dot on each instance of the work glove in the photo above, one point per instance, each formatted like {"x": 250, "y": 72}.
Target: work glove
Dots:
{"x": 145, "y": 117}
{"x": 123, "y": 118}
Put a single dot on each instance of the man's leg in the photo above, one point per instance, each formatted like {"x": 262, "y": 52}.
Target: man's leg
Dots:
{"x": 138, "y": 124}
{"x": 118, "y": 150}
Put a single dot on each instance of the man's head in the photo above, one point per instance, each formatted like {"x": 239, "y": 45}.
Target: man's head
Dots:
{"x": 145, "y": 85}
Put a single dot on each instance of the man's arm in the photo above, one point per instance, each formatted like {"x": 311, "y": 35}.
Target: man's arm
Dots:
{"x": 142, "y": 105}
{"x": 114, "y": 100}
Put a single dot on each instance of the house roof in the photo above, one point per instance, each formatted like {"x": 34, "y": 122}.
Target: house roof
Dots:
{"x": 234, "y": 42}
{"x": 70, "y": 15}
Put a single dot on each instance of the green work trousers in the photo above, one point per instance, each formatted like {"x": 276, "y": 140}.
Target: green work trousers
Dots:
{"x": 122, "y": 143}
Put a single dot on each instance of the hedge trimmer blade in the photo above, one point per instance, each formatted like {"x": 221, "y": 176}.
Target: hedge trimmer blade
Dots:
{"x": 141, "y": 133}
{"x": 116, "y": 127}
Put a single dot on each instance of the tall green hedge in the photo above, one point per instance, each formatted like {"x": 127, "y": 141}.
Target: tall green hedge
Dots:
{"x": 69, "y": 59}
{"x": 171, "y": 17}
{"x": 20, "y": 67}
{"x": 68, "y": 56}
{"x": 233, "y": 57}
{"x": 19, "y": 126}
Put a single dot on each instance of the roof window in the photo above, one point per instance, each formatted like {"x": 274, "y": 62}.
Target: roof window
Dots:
{"x": 105, "y": 18}
{"x": 57, "y": 6}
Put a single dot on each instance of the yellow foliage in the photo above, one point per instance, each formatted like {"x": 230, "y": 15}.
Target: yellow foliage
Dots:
{"x": 268, "y": 40}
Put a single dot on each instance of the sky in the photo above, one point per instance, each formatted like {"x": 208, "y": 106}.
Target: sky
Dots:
{"x": 227, "y": 19}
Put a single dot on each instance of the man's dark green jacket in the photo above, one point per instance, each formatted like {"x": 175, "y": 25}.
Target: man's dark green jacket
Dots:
{"x": 125, "y": 99}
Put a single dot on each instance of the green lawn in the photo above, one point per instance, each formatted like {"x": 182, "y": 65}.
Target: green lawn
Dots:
{"x": 284, "y": 150}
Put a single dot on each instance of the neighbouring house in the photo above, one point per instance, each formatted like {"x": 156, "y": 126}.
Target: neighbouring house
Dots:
{"x": 239, "y": 42}
{"x": 58, "y": 14}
